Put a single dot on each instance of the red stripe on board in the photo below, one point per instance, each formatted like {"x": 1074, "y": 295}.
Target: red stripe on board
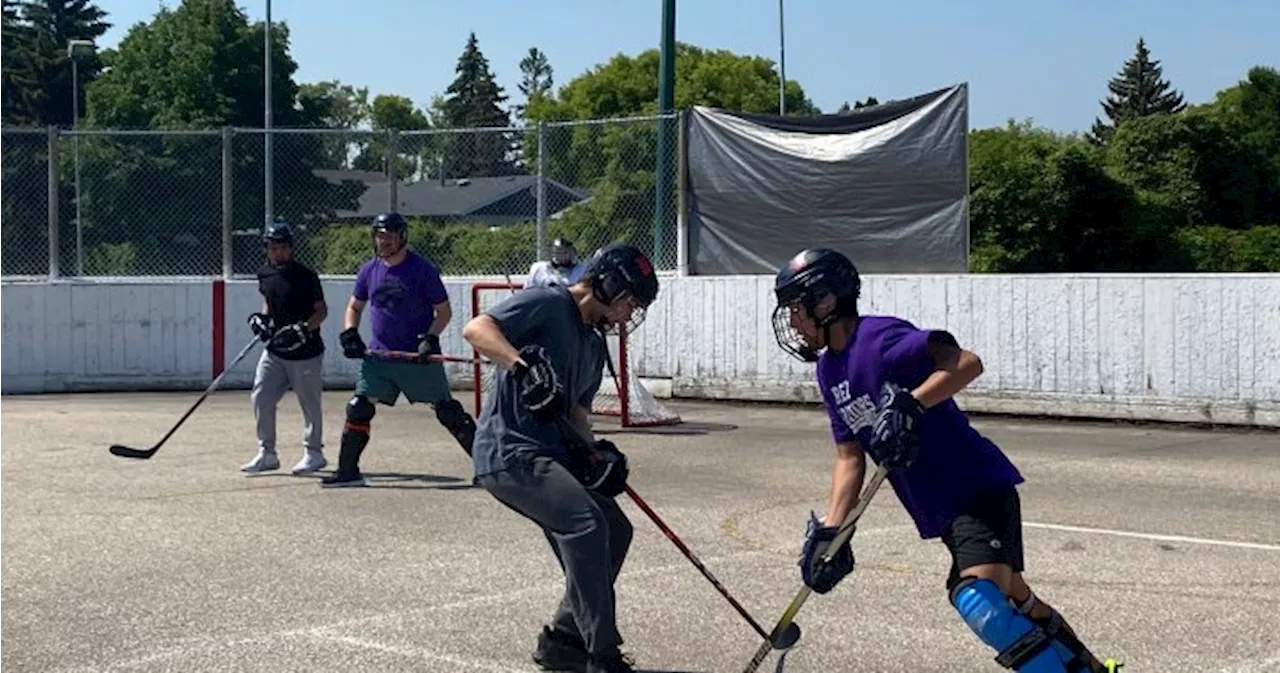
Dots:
{"x": 219, "y": 326}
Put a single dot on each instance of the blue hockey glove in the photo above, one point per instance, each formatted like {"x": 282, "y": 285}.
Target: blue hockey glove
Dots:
{"x": 819, "y": 576}
{"x": 894, "y": 441}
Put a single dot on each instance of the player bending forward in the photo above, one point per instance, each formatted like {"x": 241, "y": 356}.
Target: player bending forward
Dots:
{"x": 409, "y": 308}
{"x": 550, "y": 351}
{"x": 293, "y": 307}
{"x": 955, "y": 483}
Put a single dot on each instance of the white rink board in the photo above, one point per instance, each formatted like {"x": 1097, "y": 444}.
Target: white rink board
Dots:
{"x": 1200, "y": 348}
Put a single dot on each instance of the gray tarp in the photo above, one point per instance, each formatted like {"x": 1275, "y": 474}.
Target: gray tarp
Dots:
{"x": 886, "y": 185}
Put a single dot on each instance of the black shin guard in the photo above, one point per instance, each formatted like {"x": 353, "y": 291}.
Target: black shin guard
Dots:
{"x": 355, "y": 434}
{"x": 458, "y": 422}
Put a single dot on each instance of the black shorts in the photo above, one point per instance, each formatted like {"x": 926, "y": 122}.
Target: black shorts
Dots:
{"x": 988, "y": 530}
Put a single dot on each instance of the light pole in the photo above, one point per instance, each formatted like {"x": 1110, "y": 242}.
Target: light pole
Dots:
{"x": 268, "y": 170}
{"x": 782, "y": 64}
{"x": 77, "y": 48}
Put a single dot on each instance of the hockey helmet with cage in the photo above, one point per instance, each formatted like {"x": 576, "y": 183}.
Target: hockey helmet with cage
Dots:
{"x": 619, "y": 270}
{"x": 390, "y": 222}
{"x": 806, "y": 280}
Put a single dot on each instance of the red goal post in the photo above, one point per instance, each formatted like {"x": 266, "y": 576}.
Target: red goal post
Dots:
{"x": 624, "y": 397}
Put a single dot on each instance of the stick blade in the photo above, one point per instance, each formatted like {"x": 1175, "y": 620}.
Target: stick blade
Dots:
{"x": 129, "y": 452}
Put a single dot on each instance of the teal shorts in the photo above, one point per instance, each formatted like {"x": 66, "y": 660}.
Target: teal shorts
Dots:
{"x": 420, "y": 383}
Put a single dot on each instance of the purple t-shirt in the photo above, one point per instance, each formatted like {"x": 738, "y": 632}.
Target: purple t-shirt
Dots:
{"x": 400, "y": 300}
{"x": 955, "y": 461}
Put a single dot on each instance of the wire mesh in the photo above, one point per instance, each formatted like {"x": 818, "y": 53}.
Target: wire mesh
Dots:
{"x": 24, "y": 202}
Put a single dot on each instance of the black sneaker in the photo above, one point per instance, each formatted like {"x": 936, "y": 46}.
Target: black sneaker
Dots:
{"x": 611, "y": 663}
{"x": 560, "y": 651}
{"x": 340, "y": 479}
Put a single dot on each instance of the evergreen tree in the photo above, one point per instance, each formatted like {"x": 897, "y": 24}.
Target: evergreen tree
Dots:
{"x": 1139, "y": 90}
{"x": 52, "y": 24}
{"x": 20, "y": 80}
{"x": 536, "y": 77}
{"x": 475, "y": 100}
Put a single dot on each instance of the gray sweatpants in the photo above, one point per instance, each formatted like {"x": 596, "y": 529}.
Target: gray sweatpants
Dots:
{"x": 589, "y": 534}
{"x": 271, "y": 381}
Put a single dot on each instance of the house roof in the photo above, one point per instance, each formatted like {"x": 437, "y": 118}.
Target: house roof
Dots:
{"x": 437, "y": 198}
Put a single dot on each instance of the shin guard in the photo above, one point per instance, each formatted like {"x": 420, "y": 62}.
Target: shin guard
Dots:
{"x": 1021, "y": 644}
{"x": 355, "y": 434}
{"x": 458, "y": 422}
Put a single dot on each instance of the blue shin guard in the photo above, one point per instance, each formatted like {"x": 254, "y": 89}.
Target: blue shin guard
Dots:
{"x": 1020, "y": 644}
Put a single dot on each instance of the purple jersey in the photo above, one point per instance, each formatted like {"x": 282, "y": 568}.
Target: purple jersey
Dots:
{"x": 400, "y": 299}
{"x": 955, "y": 462}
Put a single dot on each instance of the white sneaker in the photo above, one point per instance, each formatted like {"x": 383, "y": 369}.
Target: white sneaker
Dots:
{"x": 264, "y": 462}
{"x": 312, "y": 461}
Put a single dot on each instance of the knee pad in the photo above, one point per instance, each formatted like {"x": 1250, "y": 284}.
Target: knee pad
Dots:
{"x": 1020, "y": 644}
{"x": 458, "y": 422}
{"x": 359, "y": 412}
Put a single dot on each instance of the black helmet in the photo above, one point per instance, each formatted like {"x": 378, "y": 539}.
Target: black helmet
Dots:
{"x": 390, "y": 222}
{"x": 619, "y": 269}
{"x": 563, "y": 254}
{"x": 807, "y": 279}
{"x": 393, "y": 222}
{"x": 278, "y": 232}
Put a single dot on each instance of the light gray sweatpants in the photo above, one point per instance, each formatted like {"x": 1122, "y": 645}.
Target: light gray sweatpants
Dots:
{"x": 271, "y": 381}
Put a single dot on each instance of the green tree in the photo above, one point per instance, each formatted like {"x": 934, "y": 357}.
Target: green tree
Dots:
{"x": 394, "y": 113}
{"x": 474, "y": 100}
{"x": 1139, "y": 90}
{"x": 858, "y": 105}
{"x": 55, "y": 22}
{"x": 23, "y": 96}
{"x": 157, "y": 199}
{"x": 333, "y": 105}
{"x": 1250, "y": 110}
{"x": 536, "y": 77}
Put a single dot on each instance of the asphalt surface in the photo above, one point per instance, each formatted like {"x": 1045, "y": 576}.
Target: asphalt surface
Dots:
{"x": 1160, "y": 545}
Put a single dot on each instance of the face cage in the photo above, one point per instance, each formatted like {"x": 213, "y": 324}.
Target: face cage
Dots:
{"x": 373, "y": 239}
{"x": 789, "y": 339}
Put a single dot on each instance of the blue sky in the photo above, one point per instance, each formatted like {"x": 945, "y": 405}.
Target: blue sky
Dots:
{"x": 1048, "y": 60}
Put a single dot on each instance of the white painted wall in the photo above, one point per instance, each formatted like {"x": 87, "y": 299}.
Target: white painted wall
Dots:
{"x": 1176, "y": 347}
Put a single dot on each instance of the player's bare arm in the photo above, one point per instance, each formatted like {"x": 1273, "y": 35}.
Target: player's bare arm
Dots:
{"x": 444, "y": 313}
{"x": 319, "y": 311}
{"x": 847, "y": 475}
{"x": 954, "y": 369}
{"x": 580, "y": 417}
{"x": 485, "y": 335}
{"x": 352, "y": 316}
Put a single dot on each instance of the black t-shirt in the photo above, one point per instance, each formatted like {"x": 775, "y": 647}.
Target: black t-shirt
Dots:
{"x": 291, "y": 293}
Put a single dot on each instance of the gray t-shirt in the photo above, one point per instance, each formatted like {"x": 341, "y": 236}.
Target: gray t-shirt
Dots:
{"x": 549, "y": 317}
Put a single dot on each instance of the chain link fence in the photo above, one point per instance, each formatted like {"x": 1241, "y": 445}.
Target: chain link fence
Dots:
{"x": 484, "y": 201}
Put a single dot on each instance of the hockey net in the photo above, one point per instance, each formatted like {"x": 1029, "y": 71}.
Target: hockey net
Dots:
{"x": 623, "y": 397}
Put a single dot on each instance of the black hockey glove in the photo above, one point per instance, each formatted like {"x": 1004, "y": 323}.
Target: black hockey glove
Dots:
{"x": 352, "y": 345}
{"x": 428, "y": 345}
{"x": 540, "y": 387}
{"x": 894, "y": 441}
{"x": 288, "y": 338}
{"x": 605, "y": 470}
{"x": 819, "y": 576}
{"x": 262, "y": 326}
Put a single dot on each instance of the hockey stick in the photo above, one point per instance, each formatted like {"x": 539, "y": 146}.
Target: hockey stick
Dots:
{"x": 143, "y": 454}
{"x": 786, "y": 638}
{"x": 414, "y": 357}
{"x": 842, "y": 536}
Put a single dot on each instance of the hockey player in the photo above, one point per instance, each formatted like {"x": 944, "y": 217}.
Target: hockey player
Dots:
{"x": 409, "y": 308}
{"x": 549, "y": 349}
{"x": 562, "y": 269}
{"x": 955, "y": 483}
{"x": 293, "y": 307}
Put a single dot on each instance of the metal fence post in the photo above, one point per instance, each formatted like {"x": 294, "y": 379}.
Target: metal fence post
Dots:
{"x": 542, "y": 192}
{"x": 54, "y": 193}
{"x": 227, "y": 195}
{"x": 682, "y": 186}
{"x": 393, "y": 191}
